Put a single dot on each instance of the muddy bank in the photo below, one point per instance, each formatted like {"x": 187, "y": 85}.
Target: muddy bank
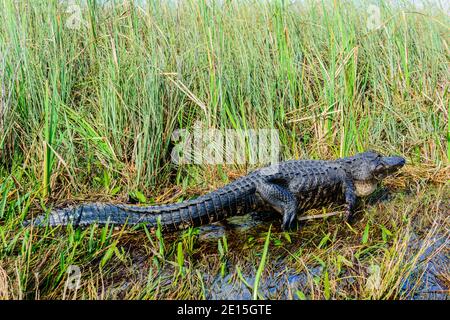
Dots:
{"x": 426, "y": 282}
{"x": 285, "y": 278}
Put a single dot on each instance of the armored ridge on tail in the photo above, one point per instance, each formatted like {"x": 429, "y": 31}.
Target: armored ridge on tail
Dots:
{"x": 290, "y": 188}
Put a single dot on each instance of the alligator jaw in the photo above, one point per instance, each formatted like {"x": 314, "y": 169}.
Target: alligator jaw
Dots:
{"x": 364, "y": 188}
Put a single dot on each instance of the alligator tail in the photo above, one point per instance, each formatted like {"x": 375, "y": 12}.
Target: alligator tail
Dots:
{"x": 196, "y": 212}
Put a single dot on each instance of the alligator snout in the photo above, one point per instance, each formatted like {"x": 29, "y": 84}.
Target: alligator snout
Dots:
{"x": 394, "y": 162}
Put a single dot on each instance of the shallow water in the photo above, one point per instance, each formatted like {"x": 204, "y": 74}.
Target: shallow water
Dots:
{"x": 427, "y": 276}
{"x": 425, "y": 282}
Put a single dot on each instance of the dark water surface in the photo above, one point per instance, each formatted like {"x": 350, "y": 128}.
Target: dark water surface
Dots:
{"x": 425, "y": 282}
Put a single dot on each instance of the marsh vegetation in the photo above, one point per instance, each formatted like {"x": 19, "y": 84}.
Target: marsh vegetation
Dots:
{"x": 90, "y": 97}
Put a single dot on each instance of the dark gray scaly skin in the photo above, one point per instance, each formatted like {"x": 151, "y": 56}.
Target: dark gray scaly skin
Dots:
{"x": 290, "y": 188}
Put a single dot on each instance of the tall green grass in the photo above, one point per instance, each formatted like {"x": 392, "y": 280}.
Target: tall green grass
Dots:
{"x": 105, "y": 98}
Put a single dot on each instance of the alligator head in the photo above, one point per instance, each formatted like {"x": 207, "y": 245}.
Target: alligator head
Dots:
{"x": 368, "y": 168}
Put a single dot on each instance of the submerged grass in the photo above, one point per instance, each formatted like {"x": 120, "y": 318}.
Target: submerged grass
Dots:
{"x": 261, "y": 266}
{"x": 88, "y": 109}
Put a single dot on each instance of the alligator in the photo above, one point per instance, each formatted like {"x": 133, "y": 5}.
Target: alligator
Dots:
{"x": 289, "y": 188}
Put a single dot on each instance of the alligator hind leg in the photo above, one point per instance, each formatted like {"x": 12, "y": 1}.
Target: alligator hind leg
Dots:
{"x": 281, "y": 200}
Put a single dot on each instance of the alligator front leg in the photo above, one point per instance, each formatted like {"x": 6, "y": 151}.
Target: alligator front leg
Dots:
{"x": 350, "y": 199}
{"x": 281, "y": 200}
